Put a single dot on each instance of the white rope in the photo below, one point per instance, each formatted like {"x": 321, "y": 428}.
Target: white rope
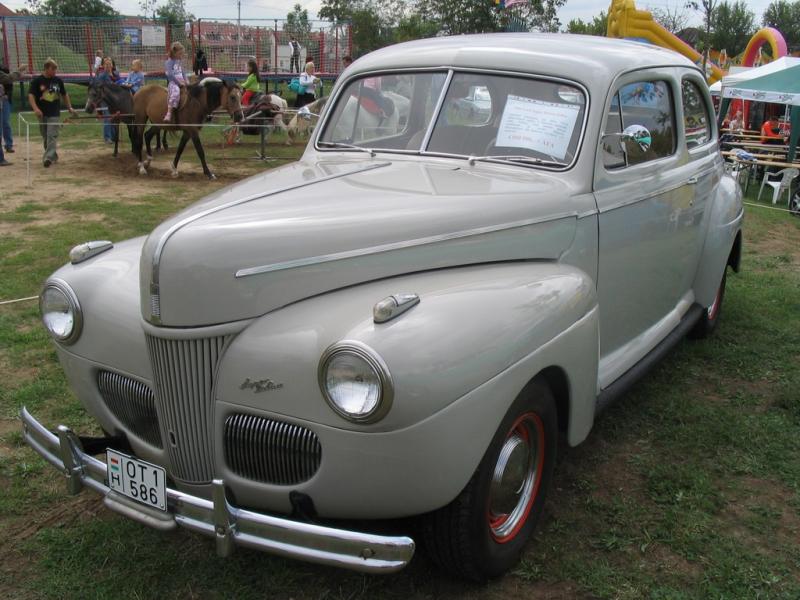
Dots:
{"x": 768, "y": 207}
{"x": 19, "y": 300}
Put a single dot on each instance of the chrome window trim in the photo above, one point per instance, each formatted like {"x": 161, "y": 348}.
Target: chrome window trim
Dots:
{"x": 451, "y": 71}
{"x": 713, "y": 134}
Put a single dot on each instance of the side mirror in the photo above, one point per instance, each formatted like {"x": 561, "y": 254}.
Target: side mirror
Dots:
{"x": 306, "y": 114}
{"x": 637, "y": 134}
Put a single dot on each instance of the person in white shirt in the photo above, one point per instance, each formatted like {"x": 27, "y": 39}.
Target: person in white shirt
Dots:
{"x": 307, "y": 85}
{"x": 294, "y": 53}
{"x": 98, "y": 62}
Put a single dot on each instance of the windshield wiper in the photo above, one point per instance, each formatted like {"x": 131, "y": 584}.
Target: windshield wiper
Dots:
{"x": 516, "y": 158}
{"x": 347, "y": 147}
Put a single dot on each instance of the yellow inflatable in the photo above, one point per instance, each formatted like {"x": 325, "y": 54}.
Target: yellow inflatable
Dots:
{"x": 625, "y": 21}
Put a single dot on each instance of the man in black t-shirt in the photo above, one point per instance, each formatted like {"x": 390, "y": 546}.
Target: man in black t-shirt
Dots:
{"x": 44, "y": 95}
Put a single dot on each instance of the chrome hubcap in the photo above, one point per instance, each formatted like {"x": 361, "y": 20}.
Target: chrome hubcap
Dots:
{"x": 515, "y": 478}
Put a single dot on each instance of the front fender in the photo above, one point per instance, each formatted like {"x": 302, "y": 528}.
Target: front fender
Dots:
{"x": 458, "y": 359}
{"x": 471, "y": 324}
{"x": 724, "y": 223}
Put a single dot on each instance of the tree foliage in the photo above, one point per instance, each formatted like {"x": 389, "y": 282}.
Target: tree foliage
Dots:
{"x": 672, "y": 18}
{"x": 707, "y": 9}
{"x": 734, "y": 25}
{"x": 785, "y": 17}
{"x": 297, "y": 22}
{"x": 597, "y": 26}
{"x": 72, "y": 8}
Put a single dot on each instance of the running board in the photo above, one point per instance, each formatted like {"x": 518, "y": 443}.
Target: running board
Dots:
{"x": 637, "y": 371}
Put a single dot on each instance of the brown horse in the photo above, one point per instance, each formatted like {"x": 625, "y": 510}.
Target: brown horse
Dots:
{"x": 197, "y": 102}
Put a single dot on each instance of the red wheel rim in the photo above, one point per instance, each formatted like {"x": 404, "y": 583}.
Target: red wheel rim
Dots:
{"x": 714, "y": 308}
{"x": 516, "y": 478}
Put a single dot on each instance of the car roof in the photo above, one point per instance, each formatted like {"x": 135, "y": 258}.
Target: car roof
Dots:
{"x": 588, "y": 59}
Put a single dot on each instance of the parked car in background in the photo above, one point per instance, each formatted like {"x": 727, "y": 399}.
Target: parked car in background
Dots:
{"x": 403, "y": 322}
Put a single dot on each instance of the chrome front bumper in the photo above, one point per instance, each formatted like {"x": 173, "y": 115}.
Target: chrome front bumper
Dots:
{"x": 217, "y": 518}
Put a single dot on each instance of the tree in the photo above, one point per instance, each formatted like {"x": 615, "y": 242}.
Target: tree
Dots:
{"x": 482, "y": 16}
{"x": 297, "y": 22}
{"x": 707, "y": 8}
{"x": 672, "y": 18}
{"x": 785, "y": 17}
{"x": 597, "y": 26}
{"x": 414, "y": 27}
{"x": 174, "y": 13}
{"x": 734, "y": 25}
{"x": 72, "y": 8}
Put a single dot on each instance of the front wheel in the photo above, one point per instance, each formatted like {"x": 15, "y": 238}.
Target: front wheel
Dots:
{"x": 482, "y": 533}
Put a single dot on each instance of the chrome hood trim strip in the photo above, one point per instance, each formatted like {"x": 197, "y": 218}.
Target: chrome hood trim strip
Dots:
{"x": 315, "y": 260}
{"x": 162, "y": 242}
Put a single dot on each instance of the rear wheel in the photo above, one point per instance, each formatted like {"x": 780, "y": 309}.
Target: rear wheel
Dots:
{"x": 708, "y": 321}
{"x": 482, "y": 533}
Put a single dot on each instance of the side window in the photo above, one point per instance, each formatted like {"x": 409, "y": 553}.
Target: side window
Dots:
{"x": 695, "y": 115}
{"x": 646, "y": 103}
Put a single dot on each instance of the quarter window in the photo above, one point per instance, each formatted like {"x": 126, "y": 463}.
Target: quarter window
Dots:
{"x": 646, "y": 103}
{"x": 695, "y": 115}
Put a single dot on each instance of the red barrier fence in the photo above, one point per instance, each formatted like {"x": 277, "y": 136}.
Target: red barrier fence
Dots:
{"x": 228, "y": 45}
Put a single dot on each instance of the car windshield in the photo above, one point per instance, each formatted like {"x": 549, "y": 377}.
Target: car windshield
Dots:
{"x": 478, "y": 116}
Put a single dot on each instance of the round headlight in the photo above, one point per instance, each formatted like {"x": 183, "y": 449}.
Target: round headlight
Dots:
{"x": 61, "y": 313}
{"x": 355, "y": 382}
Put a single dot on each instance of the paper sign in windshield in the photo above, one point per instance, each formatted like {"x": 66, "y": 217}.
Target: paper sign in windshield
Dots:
{"x": 544, "y": 127}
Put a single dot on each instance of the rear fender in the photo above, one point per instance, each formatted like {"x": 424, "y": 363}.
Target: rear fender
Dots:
{"x": 724, "y": 225}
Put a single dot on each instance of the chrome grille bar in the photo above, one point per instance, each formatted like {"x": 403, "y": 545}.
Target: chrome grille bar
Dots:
{"x": 133, "y": 403}
{"x": 183, "y": 373}
{"x": 271, "y": 451}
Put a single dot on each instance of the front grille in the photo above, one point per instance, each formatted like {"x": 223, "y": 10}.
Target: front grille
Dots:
{"x": 133, "y": 403}
{"x": 271, "y": 451}
{"x": 183, "y": 373}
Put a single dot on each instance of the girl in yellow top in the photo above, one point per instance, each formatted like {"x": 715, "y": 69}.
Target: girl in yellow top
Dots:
{"x": 251, "y": 85}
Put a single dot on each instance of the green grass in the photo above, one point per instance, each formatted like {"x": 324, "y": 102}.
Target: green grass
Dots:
{"x": 688, "y": 487}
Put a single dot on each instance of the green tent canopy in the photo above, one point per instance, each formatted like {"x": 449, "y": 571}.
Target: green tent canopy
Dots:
{"x": 780, "y": 87}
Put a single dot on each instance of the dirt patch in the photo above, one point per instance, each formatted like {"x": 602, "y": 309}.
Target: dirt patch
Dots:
{"x": 781, "y": 241}
{"x": 760, "y": 513}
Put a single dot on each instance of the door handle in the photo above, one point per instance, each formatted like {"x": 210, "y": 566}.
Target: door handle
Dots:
{"x": 692, "y": 180}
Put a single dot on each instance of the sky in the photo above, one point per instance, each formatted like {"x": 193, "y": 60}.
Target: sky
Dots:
{"x": 272, "y": 9}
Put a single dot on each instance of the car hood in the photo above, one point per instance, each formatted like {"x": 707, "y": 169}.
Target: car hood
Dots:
{"x": 311, "y": 227}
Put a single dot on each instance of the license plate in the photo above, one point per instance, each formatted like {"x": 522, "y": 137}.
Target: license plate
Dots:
{"x": 137, "y": 479}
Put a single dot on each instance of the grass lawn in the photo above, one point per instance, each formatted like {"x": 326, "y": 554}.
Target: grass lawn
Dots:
{"x": 688, "y": 487}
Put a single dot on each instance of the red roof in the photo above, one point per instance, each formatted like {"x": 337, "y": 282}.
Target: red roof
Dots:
{"x": 6, "y": 12}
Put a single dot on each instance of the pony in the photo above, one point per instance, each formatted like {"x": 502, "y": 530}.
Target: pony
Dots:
{"x": 198, "y": 101}
{"x": 300, "y": 126}
{"x": 119, "y": 101}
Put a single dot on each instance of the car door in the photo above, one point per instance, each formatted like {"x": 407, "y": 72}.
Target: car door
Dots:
{"x": 645, "y": 198}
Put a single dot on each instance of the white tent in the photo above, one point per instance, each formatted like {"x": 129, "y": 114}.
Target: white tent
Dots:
{"x": 735, "y": 78}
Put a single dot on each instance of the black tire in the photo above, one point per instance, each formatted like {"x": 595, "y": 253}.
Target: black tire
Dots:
{"x": 708, "y": 321}
{"x": 466, "y": 537}
{"x": 794, "y": 205}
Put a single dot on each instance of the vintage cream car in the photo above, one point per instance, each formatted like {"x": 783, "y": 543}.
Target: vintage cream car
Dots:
{"x": 404, "y": 321}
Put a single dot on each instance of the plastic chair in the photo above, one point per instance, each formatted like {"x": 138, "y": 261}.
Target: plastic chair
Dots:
{"x": 778, "y": 186}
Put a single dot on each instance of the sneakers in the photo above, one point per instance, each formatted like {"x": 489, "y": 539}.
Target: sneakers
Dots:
{"x": 47, "y": 162}
{"x": 4, "y": 163}
{"x": 11, "y": 150}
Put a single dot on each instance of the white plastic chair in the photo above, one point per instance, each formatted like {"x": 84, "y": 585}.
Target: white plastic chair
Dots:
{"x": 786, "y": 176}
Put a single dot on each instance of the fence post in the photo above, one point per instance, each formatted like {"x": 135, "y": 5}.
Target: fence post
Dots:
{"x": 322, "y": 53}
{"x": 275, "y": 58}
{"x": 167, "y": 35}
{"x": 29, "y": 44}
{"x": 258, "y": 48}
{"x": 89, "y": 48}
{"x": 336, "y": 48}
{"x": 191, "y": 34}
{"x": 6, "y": 57}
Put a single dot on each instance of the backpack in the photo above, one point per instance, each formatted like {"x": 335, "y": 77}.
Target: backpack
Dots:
{"x": 294, "y": 85}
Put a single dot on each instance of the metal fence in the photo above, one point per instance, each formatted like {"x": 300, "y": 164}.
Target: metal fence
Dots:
{"x": 228, "y": 45}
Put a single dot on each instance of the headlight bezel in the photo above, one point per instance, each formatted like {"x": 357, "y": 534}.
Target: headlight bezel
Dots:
{"x": 375, "y": 362}
{"x": 77, "y": 313}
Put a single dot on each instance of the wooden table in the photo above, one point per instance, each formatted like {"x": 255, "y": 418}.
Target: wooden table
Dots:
{"x": 759, "y": 146}
{"x": 752, "y": 166}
